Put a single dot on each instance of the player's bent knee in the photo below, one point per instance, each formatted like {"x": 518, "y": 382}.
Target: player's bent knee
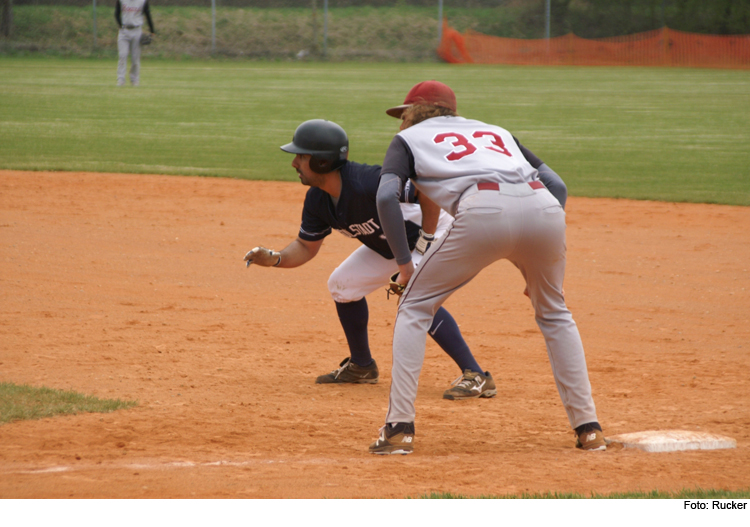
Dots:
{"x": 344, "y": 299}
{"x": 339, "y": 292}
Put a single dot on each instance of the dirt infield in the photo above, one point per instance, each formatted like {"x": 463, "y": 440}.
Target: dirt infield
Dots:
{"x": 133, "y": 287}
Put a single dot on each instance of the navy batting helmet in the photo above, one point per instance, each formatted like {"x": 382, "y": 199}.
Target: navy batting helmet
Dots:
{"x": 325, "y": 141}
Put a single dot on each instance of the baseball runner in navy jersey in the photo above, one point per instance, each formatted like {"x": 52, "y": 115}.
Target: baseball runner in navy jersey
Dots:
{"x": 479, "y": 174}
{"x": 342, "y": 198}
{"x": 129, "y": 15}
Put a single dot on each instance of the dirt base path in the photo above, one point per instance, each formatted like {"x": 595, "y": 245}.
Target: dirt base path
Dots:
{"x": 133, "y": 287}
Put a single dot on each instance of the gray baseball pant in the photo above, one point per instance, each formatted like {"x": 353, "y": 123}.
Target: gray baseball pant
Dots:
{"x": 527, "y": 227}
{"x": 129, "y": 43}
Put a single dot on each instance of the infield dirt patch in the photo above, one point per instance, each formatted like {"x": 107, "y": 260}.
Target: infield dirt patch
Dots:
{"x": 133, "y": 287}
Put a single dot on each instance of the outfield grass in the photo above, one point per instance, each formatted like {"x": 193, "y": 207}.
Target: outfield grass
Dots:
{"x": 641, "y": 133}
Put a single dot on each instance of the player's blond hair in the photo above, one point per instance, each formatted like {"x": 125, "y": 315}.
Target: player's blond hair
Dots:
{"x": 417, "y": 113}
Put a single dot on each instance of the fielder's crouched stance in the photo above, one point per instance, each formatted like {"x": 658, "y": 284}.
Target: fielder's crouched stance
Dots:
{"x": 477, "y": 173}
{"x": 342, "y": 197}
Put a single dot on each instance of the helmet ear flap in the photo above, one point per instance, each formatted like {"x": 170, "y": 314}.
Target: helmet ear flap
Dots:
{"x": 320, "y": 164}
{"x": 324, "y": 163}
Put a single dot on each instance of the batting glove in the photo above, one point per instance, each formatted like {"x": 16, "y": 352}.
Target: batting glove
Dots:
{"x": 424, "y": 241}
{"x": 263, "y": 257}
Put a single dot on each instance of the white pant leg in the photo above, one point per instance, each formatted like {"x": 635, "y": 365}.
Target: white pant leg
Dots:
{"x": 123, "y": 50}
{"x": 359, "y": 275}
{"x": 135, "y": 57}
{"x": 364, "y": 271}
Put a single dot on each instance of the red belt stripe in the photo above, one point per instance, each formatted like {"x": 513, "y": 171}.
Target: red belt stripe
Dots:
{"x": 487, "y": 185}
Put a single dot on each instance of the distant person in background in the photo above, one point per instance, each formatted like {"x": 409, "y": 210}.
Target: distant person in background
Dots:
{"x": 129, "y": 15}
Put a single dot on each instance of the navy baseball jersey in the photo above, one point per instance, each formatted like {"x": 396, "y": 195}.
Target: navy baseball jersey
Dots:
{"x": 355, "y": 215}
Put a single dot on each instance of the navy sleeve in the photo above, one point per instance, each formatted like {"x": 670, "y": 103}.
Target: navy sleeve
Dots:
{"x": 147, "y": 12}
{"x": 313, "y": 227}
{"x": 117, "y": 13}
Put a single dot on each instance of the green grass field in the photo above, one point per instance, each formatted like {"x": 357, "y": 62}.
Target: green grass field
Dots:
{"x": 22, "y": 402}
{"x": 641, "y": 133}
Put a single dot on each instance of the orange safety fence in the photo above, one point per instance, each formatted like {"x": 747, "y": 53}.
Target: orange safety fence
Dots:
{"x": 660, "y": 47}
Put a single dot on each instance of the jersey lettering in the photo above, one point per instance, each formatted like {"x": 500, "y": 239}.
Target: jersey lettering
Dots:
{"x": 361, "y": 229}
{"x": 463, "y": 147}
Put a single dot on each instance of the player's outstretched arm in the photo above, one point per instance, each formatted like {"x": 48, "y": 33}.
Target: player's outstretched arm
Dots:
{"x": 293, "y": 255}
{"x": 299, "y": 252}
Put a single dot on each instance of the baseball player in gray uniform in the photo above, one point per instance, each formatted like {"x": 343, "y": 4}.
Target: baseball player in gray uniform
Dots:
{"x": 129, "y": 15}
{"x": 477, "y": 173}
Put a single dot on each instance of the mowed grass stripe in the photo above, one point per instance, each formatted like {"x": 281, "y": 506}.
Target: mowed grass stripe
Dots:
{"x": 641, "y": 133}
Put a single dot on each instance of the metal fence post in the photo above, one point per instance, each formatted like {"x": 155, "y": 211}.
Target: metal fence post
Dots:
{"x": 94, "y": 24}
{"x": 325, "y": 27}
{"x": 314, "y": 44}
{"x": 440, "y": 21}
{"x": 547, "y": 15}
{"x": 213, "y": 26}
{"x": 6, "y": 17}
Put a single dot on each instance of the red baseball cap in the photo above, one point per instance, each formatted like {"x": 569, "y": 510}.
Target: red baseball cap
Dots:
{"x": 427, "y": 92}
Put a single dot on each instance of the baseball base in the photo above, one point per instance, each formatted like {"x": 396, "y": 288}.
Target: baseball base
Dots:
{"x": 672, "y": 440}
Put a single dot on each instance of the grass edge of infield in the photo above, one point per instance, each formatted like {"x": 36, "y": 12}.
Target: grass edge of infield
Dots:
{"x": 20, "y": 402}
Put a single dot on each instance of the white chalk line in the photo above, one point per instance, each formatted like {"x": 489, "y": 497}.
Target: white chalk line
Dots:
{"x": 170, "y": 465}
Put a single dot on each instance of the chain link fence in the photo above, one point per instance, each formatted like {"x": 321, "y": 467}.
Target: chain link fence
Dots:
{"x": 337, "y": 30}
{"x": 312, "y": 32}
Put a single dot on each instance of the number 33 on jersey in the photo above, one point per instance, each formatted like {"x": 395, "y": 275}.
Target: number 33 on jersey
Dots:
{"x": 462, "y": 147}
{"x": 448, "y": 150}
{"x": 468, "y": 146}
